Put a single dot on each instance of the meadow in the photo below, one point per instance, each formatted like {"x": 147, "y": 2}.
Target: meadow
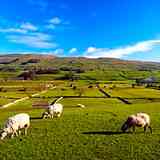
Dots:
{"x": 90, "y": 133}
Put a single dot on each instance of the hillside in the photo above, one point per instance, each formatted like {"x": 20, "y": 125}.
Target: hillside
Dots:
{"x": 51, "y": 67}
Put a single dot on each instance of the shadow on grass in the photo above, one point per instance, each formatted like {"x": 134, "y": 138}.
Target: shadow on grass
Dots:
{"x": 105, "y": 133}
{"x": 32, "y": 118}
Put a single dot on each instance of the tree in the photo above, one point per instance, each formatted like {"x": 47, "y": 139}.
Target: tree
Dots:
{"x": 27, "y": 75}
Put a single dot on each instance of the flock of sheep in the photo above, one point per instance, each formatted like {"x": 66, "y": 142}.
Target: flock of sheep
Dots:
{"x": 15, "y": 124}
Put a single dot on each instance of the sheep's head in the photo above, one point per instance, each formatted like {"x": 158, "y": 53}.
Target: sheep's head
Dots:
{"x": 131, "y": 121}
{"x": 124, "y": 127}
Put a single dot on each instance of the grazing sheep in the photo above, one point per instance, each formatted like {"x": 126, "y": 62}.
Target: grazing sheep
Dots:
{"x": 80, "y": 105}
{"x": 139, "y": 120}
{"x": 14, "y": 124}
{"x": 55, "y": 109}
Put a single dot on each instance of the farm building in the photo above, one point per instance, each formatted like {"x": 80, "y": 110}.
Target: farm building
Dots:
{"x": 150, "y": 81}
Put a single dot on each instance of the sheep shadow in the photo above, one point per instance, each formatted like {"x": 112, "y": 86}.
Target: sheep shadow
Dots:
{"x": 105, "y": 133}
{"x": 34, "y": 118}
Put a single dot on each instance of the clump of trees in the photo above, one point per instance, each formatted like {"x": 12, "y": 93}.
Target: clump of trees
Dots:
{"x": 73, "y": 69}
{"x": 30, "y": 61}
{"x": 47, "y": 71}
{"x": 7, "y": 69}
{"x": 27, "y": 75}
{"x": 69, "y": 76}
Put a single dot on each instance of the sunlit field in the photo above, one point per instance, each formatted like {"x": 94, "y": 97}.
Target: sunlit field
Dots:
{"x": 92, "y": 132}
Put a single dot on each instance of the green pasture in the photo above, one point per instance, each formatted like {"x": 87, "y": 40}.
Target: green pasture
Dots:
{"x": 129, "y": 92}
{"x": 4, "y": 101}
{"x": 70, "y": 91}
{"x": 90, "y": 133}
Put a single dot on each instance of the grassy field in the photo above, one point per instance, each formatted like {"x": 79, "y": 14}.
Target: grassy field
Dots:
{"x": 79, "y": 91}
{"x": 134, "y": 92}
{"x": 91, "y": 133}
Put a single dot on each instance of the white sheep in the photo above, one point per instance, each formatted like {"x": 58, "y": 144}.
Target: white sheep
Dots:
{"x": 14, "y": 124}
{"x": 55, "y": 109}
{"x": 137, "y": 120}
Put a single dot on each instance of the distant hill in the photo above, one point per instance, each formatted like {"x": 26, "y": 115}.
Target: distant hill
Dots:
{"x": 85, "y": 68}
{"x": 52, "y": 61}
{"x": 18, "y": 59}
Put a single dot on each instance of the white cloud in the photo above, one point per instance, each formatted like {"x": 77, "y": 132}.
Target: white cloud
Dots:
{"x": 13, "y": 30}
{"x": 27, "y": 34}
{"x": 41, "y": 36}
{"x": 73, "y": 50}
{"x": 55, "y": 21}
{"x": 143, "y": 46}
{"x": 91, "y": 49}
{"x": 59, "y": 52}
{"x": 23, "y": 29}
{"x": 58, "y": 24}
{"x": 28, "y": 26}
{"x": 50, "y": 26}
{"x": 35, "y": 40}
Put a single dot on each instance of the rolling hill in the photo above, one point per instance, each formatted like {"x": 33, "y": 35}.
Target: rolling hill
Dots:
{"x": 50, "y": 67}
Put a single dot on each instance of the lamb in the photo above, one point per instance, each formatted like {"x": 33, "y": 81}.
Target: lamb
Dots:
{"x": 14, "y": 124}
{"x": 139, "y": 120}
{"x": 55, "y": 109}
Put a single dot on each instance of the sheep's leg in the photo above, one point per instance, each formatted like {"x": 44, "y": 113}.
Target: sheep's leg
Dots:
{"x": 59, "y": 114}
{"x": 145, "y": 127}
{"x": 19, "y": 132}
{"x": 150, "y": 128}
{"x": 16, "y": 133}
{"x": 12, "y": 135}
{"x": 134, "y": 129}
{"x": 43, "y": 116}
{"x": 25, "y": 131}
{"x": 26, "y": 126}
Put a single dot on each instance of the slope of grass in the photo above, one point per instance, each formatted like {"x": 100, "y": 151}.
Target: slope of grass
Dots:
{"x": 92, "y": 69}
{"x": 134, "y": 92}
{"x": 91, "y": 133}
{"x": 84, "y": 133}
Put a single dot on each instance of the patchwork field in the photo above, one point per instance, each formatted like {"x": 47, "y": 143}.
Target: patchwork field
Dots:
{"x": 86, "y": 133}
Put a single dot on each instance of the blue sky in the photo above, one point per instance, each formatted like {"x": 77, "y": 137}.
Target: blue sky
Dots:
{"x": 126, "y": 29}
